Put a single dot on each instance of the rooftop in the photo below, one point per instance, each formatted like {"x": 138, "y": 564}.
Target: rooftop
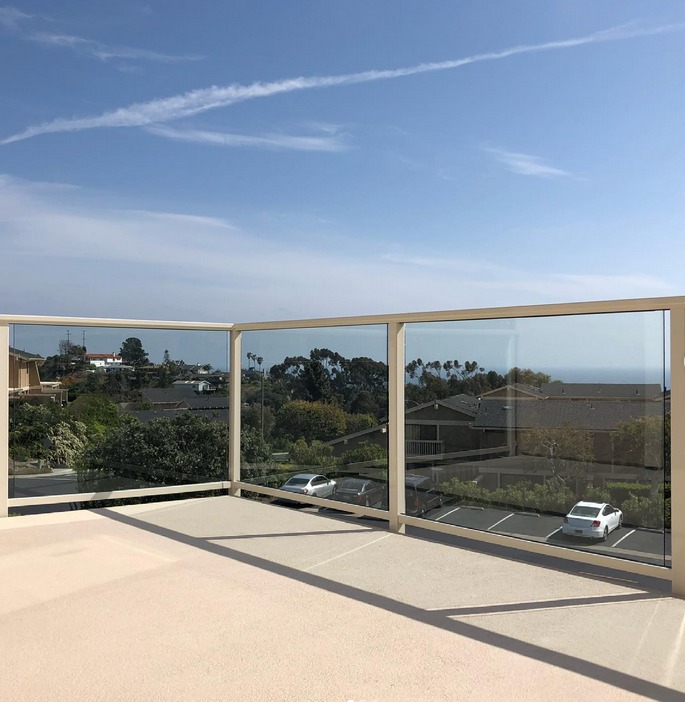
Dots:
{"x": 226, "y": 598}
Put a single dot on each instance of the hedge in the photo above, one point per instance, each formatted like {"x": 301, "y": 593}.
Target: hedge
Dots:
{"x": 638, "y": 510}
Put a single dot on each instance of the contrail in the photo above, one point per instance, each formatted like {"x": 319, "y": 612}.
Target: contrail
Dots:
{"x": 197, "y": 101}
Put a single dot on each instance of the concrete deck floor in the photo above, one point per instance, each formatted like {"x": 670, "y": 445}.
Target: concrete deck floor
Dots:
{"x": 228, "y": 599}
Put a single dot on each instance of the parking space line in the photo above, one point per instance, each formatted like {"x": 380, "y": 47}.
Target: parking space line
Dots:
{"x": 500, "y": 521}
{"x": 447, "y": 514}
{"x": 632, "y": 531}
{"x": 553, "y": 533}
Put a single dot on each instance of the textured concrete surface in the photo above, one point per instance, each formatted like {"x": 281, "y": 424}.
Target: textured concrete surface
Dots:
{"x": 227, "y": 599}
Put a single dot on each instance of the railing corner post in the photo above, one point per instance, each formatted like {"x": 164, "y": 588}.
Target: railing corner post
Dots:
{"x": 396, "y": 446}
{"x": 234, "y": 412}
{"x": 4, "y": 418}
{"x": 678, "y": 451}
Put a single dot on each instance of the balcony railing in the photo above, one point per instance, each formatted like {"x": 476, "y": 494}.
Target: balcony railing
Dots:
{"x": 417, "y": 447}
{"x": 333, "y": 400}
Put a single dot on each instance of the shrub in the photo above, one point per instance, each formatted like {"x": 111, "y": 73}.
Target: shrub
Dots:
{"x": 358, "y": 422}
{"x": 366, "y": 451}
{"x": 620, "y": 492}
{"x": 645, "y": 512}
{"x": 524, "y": 496}
{"x": 316, "y": 454}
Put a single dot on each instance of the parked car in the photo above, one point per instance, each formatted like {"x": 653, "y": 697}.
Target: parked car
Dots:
{"x": 310, "y": 484}
{"x": 421, "y": 495}
{"x": 359, "y": 491}
{"x": 592, "y": 520}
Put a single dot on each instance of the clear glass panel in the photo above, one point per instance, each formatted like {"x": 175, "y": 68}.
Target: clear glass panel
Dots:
{"x": 512, "y": 422}
{"x": 99, "y": 409}
{"x": 314, "y": 413}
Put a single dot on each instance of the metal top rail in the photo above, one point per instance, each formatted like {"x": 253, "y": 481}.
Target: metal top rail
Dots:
{"x": 114, "y": 323}
{"x": 547, "y": 310}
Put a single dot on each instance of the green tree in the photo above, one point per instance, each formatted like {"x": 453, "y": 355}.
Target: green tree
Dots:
{"x": 67, "y": 443}
{"x": 646, "y": 442}
{"x": 567, "y": 452}
{"x": 97, "y": 412}
{"x": 253, "y": 447}
{"x": 251, "y": 418}
{"x": 316, "y": 456}
{"x": 316, "y": 382}
{"x": 526, "y": 376}
{"x": 133, "y": 353}
{"x": 46, "y": 431}
{"x": 310, "y": 421}
{"x": 177, "y": 451}
{"x": 358, "y": 422}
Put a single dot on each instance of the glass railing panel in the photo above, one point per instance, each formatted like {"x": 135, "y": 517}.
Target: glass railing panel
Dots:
{"x": 101, "y": 409}
{"x": 314, "y": 413}
{"x": 511, "y": 423}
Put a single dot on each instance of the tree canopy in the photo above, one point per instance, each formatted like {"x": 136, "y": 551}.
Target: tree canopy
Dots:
{"x": 133, "y": 353}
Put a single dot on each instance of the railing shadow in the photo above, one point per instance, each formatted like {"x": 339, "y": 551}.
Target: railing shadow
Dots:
{"x": 324, "y": 532}
{"x": 538, "y": 605}
{"x": 438, "y": 619}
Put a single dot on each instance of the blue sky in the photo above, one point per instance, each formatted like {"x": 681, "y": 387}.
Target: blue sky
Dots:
{"x": 259, "y": 160}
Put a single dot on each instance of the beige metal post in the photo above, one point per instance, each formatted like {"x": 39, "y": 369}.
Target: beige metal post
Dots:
{"x": 678, "y": 450}
{"x": 396, "y": 458}
{"x": 234, "y": 411}
{"x": 4, "y": 416}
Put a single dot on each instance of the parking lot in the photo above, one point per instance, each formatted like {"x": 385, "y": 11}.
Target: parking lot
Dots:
{"x": 646, "y": 545}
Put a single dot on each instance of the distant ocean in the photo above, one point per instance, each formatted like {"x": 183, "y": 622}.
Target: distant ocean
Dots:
{"x": 610, "y": 375}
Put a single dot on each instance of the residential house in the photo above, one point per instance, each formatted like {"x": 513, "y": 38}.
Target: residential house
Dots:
{"x": 168, "y": 402}
{"x": 195, "y": 385}
{"x": 484, "y": 438}
{"x": 103, "y": 360}
{"x": 25, "y": 382}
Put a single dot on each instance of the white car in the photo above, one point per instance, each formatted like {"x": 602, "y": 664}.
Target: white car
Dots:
{"x": 310, "y": 484}
{"x": 592, "y": 520}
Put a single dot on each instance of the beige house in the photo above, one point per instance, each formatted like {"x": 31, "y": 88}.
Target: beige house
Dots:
{"x": 24, "y": 375}
{"x": 25, "y": 382}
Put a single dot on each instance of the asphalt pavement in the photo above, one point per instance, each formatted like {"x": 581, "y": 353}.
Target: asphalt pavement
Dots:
{"x": 645, "y": 545}
{"x": 633, "y": 543}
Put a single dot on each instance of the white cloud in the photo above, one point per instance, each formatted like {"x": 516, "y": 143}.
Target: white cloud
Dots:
{"x": 11, "y": 17}
{"x": 104, "y": 52}
{"x": 197, "y": 101}
{"x": 267, "y": 141}
{"x": 526, "y": 164}
{"x": 88, "y": 258}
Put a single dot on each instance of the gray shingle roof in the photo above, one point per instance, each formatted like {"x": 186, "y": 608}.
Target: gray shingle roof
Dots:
{"x": 174, "y": 394}
{"x": 25, "y": 355}
{"x": 463, "y": 403}
{"x": 579, "y": 414}
{"x": 602, "y": 390}
{"x": 206, "y": 402}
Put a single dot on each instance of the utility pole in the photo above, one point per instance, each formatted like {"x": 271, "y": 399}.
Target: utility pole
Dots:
{"x": 68, "y": 350}
{"x": 262, "y": 421}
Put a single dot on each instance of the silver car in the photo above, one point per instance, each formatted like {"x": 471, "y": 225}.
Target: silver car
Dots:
{"x": 310, "y": 484}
